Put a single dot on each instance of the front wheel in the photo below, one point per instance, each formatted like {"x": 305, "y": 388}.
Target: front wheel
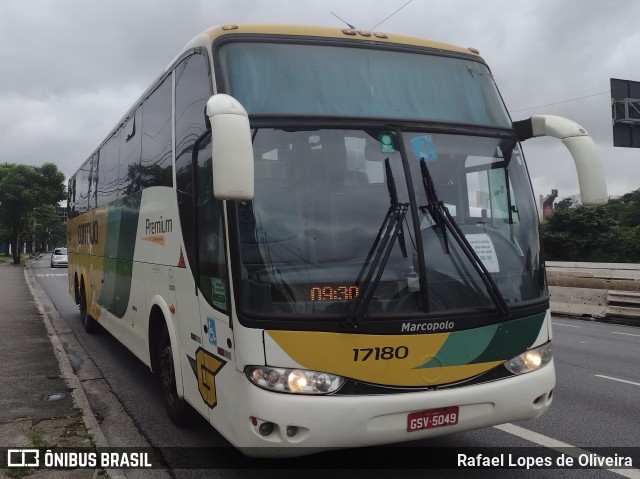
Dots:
{"x": 177, "y": 408}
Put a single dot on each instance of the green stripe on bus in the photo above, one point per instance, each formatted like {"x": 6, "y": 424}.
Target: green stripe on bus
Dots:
{"x": 512, "y": 338}
{"x": 462, "y": 347}
{"x": 120, "y": 240}
{"x": 497, "y": 342}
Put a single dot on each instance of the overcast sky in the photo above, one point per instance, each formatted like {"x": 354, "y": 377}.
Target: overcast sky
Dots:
{"x": 71, "y": 68}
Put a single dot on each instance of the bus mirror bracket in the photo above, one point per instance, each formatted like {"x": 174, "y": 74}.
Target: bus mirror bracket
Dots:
{"x": 232, "y": 149}
{"x": 591, "y": 176}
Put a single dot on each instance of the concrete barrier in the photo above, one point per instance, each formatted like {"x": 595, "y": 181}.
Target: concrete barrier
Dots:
{"x": 609, "y": 291}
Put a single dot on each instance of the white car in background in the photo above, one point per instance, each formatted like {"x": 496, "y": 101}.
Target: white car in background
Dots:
{"x": 59, "y": 258}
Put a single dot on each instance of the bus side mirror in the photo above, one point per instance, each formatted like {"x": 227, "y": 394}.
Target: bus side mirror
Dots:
{"x": 232, "y": 149}
{"x": 591, "y": 176}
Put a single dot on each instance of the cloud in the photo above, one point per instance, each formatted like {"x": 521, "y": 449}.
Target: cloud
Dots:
{"x": 71, "y": 68}
{"x": 54, "y": 128}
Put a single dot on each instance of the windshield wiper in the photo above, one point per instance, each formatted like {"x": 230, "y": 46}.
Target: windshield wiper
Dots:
{"x": 435, "y": 206}
{"x": 378, "y": 255}
{"x": 440, "y": 214}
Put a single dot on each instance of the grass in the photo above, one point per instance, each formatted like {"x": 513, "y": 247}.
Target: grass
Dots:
{"x": 16, "y": 473}
{"x": 37, "y": 439}
{"x": 9, "y": 259}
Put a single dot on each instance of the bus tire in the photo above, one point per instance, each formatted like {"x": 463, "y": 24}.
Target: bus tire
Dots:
{"x": 76, "y": 289}
{"x": 90, "y": 325}
{"x": 177, "y": 408}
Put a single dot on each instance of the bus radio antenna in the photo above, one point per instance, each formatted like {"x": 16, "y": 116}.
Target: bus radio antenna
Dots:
{"x": 343, "y": 21}
{"x": 387, "y": 18}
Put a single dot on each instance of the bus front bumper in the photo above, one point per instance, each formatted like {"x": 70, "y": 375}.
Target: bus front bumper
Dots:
{"x": 297, "y": 425}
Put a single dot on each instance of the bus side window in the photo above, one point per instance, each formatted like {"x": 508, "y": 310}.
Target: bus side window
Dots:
{"x": 129, "y": 174}
{"x": 155, "y": 162}
{"x": 107, "y": 185}
{"x": 193, "y": 89}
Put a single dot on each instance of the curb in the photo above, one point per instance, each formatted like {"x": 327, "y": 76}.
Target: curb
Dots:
{"x": 77, "y": 391}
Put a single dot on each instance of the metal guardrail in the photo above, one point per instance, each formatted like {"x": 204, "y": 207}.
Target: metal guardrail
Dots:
{"x": 625, "y": 304}
{"x": 599, "y": 290}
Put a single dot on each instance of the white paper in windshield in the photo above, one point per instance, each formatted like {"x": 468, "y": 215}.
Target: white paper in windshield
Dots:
{"x": 483, "y": 246}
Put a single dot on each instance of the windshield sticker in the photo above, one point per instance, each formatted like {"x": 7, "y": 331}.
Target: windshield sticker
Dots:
{"x": 386, "y": 143}
{"x": 483, "y": 246}
{"x": 423, "y": 148}
{"x": 219, "y": 294}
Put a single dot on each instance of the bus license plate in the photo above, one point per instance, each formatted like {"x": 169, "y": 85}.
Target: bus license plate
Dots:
{"x": 432, "y": 418}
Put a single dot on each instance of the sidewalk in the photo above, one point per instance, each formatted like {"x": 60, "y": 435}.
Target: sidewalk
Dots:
{"x": 41, "y": 402}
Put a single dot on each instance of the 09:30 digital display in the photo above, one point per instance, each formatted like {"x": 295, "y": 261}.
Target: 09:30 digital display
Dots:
{"x": 333, "y": 293}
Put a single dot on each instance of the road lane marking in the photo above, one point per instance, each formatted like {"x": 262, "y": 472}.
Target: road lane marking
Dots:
{"x": 559, "y": 446}
{"x": 40, "y": 275}
{"x": 616, "y": 379}
{"x": 567, "y": 325}
{"x": 626, "y": 334}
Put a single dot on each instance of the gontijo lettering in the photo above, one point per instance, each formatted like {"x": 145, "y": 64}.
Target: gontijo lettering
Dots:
{"x": 88, "y": 232}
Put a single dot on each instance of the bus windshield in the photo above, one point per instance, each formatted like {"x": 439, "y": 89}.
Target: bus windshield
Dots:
{"x": 323, "y": 80}
{"x": 322, "y": 197}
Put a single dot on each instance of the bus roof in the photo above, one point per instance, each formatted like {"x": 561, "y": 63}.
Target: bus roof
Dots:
{"x": 291, "y": 30}
{"x": 333, "y": 32}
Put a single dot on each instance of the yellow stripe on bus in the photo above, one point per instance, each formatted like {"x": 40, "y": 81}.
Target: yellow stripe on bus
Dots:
{"x": 378, "y": 359}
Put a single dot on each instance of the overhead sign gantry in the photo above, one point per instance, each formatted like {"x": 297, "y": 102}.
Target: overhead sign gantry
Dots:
{"x": 625, "y": 113}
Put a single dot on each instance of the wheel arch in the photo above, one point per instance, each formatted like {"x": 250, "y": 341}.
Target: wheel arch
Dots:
{"x": 160, "y": 317}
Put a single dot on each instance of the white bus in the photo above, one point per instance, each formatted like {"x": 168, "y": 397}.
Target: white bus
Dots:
{"x": 319, "y": 238}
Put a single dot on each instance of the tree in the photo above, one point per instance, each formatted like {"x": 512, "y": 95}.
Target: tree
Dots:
{"x": 564, "y": 204}
{"x": 571, "y": 234}
{"x": 49, "y": 228}
{"x": 609, "y": 233}
{"x": 630, "y": 216}
{"x": 22, "y": 189}
{"x": 4, "y": 237}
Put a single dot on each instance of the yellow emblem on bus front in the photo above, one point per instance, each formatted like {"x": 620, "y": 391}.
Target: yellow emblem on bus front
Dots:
{"x": 207, "y": 366}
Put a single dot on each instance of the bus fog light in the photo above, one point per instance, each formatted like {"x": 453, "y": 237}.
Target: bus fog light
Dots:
{"x": 265, "y": 428}
{"x": 292, "y": 431}
{"x": 298, "y": 381}
{"x": 530, "y": 360}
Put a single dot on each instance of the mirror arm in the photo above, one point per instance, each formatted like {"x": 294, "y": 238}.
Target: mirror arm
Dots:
{"x": 591, "y": 175}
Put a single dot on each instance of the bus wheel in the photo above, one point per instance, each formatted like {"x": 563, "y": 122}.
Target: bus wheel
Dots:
{"x": 177, "y": 408}
{"x": 90, "y": 324}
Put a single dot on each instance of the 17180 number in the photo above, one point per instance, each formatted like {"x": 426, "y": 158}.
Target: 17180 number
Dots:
{"x": 376, "y": 354}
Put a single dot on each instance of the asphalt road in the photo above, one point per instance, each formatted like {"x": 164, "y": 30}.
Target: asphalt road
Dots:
{"x": 596, "y": 404}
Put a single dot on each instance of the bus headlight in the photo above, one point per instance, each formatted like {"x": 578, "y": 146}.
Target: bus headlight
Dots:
{"x": 299, "y": 381}
{"x": 530, "y": 360}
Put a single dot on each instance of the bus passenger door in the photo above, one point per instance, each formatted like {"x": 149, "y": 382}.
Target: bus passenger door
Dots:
{"x": 214, "y": 357}
{"x": 202, "y": 286}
